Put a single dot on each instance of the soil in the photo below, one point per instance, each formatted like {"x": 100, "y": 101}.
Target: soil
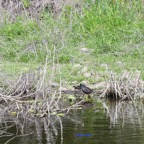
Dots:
{"x": 33, "y": 7}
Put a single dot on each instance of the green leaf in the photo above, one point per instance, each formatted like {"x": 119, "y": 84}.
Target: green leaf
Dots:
{"x": 13, "y": 113}
{"x": 60, "y": 114}
{"x": 72, "y": 97}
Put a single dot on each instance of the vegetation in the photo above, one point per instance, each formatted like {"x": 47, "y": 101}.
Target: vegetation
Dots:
{"x": 111, "y": 31}
{"x": 88, "y": 42}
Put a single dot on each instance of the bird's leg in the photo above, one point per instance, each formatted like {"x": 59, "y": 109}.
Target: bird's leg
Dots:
{"x": 89, "y": 97}
{"x": 75, "y": 93}
{"x": 85, "y": 97}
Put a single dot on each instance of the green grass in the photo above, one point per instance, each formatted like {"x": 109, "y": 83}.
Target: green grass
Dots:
{"x": 112, "y": 31}
{"x": 14, "y": 68}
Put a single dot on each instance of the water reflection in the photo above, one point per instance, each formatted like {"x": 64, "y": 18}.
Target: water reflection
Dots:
{"x": 101, "y": 122}
{"x": 108, "y": 122}
{"x": 124, "y": 111}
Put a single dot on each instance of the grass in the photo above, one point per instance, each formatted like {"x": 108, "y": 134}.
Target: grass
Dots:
{"x": 113, "y": 32}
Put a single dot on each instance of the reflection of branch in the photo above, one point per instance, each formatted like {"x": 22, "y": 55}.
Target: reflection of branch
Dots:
{"x": 123, "y": 110}
{"x": 3, "y": 131}
{"x": 61, "y": 128}
{"x": 75, "y": 106}
{"x": 18, "y": 136}
{"x": 7, "y": 134}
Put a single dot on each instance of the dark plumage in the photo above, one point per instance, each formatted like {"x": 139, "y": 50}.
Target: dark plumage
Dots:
{"x": 85, "y": 89}
{"x": 77, "y": 87}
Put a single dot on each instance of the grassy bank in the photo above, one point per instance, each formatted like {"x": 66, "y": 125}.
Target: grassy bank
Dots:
{"x": 43, "y": 54}
{"x": 81, "y": 43}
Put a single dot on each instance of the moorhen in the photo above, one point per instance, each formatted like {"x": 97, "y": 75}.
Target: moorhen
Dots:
{"x": 77, "y": 87}
{"x": 85, "y": 89}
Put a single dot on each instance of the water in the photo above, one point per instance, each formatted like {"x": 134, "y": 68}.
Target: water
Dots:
{"x": 103, "y": 122}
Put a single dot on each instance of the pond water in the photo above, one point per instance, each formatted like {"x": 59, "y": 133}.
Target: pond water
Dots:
{"x": 111, "y": 122}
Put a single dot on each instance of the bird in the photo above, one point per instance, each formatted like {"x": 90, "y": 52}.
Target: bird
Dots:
{"x": 77, "y": 87}
{"x": 85, "y": 89}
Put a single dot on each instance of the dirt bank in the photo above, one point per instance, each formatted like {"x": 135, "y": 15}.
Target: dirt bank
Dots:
{"x": 33, "y": 7}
